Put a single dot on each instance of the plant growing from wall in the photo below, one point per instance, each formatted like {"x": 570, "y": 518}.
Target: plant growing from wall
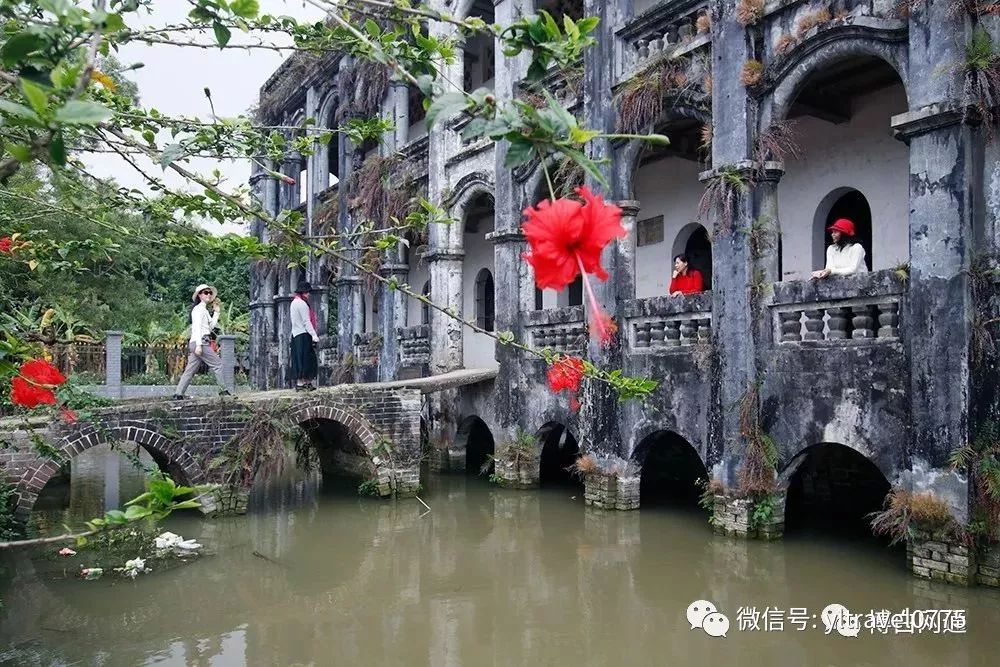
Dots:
{"x": 640, "y": 99}
{"x": 710, "y": 488}
{"x": 785, "y": 43}
{"x": 981, "y": 459}
{"x": 752, "y": 73}
{"x": 905, "y": 513}
{"x": 757, "y": 475}
{"x": 980, "y": 72}
{"x": 369, "y": 487}
{"x": 811, "y": 20}
{"x": 704, "y": 23}
{"x": 723, "y": 192}
{"x": 749, "y": 12}
{"x": 520, "y": 453}
{"x": 567, "y": 177}
{"x": 705, "y": 142}
{"x": 258, "y": 451}
{"x": 778, "y": 142}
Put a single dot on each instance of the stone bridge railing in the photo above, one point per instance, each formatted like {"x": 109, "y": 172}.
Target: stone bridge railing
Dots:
{"x": 863, "y": 309}
{"x": 414, "y": 345}
{"x": 668, "y": 29}
{"x": 562, "y": 330}
{"x": 367, "y": 347}
{"x": 661, "y": 323}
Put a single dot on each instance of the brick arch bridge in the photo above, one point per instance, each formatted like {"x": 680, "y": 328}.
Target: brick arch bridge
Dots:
{"x": 184, "y": 436}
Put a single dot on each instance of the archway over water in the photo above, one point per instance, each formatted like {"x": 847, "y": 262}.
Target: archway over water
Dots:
{"x": 671, "y": 468}
{"x": 330, "y": 447}
{"x": 833, "y": 488}
{"x": 559, "y": 451}
{"x": 475, "y": 436}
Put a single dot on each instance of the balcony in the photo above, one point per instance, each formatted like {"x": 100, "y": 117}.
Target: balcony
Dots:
{"x": 562, "y": 330}
{"x": 861, "y": 309}
{"x": 414, "y": 345}
{"x": 669, "y": 29}
{"x": 664, "y": 323}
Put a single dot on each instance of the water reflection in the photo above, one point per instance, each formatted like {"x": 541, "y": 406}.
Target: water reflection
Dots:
{"x": 490, "y": 576}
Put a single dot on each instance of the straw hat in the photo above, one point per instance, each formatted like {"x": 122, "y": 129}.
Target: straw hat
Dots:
{"x": 199, "y": 288}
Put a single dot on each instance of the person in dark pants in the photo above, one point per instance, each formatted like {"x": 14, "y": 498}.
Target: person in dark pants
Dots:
{"x": 304, "y": 338}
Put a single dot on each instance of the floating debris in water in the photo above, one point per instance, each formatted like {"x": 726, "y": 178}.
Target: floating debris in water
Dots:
{"x": 133, "y": 568}
{"x": 167, "y": 541}
{"x": 66, "y": 551}
{"x": 91, "y": 573}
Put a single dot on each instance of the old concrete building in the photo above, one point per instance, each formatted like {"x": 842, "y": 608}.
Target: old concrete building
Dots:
{"x": 862, "y": 383}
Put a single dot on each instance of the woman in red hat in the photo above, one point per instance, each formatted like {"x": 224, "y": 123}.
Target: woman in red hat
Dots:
{"x": 844, "y": 256}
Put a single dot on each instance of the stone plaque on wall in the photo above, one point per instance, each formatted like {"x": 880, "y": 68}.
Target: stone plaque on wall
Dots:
{"x": 649, "y": 231}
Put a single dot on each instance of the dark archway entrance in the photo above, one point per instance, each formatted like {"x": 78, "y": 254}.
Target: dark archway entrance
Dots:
{"x": 329, "y": 447}
{"x": 851, "y": 204}
{"x": 479, "y": 445}
{"x": 671, "y": 469}
{"x": 833, "y": 487}
{"x": 559, "y": 451}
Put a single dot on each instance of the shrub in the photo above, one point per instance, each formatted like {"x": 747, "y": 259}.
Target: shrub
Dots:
{"x": 905, "y": 512}
{"x": 813, "y": 19}
{"x": 704, "y": 23}
{"x": 753, "y": 72}
{"x": 584, "y": 465}
{"x": 785, "y": 44}
{"x": 749, "y": 12}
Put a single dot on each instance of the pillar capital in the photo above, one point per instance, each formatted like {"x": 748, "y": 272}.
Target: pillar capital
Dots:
{"x": 444, "y": 255}
{"x": 629, "y": 207}
{"x": 506, "y": 236}
{"x": 927, "y": 119}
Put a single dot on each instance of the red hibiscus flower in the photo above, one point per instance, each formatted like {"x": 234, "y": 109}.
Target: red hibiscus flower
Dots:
{"x": 6, "y": 245}
{"x": 68, "y": 415}
{"x": 566, "y": 373}
{"x": 34, "y": 384}
{"x": 29, "y": 395}
{"x": 567, "y": 238}
{"x": 42, "y": 373}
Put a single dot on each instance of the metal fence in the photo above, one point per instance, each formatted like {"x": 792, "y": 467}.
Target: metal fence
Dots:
{"x": 154, "y": 364}
{"x": 77, "y": 358}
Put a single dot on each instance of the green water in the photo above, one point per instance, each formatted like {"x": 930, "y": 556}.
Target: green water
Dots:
{"x": 487, "y": 577}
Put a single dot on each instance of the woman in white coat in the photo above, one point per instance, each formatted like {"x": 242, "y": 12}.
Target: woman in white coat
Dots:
{"x": 199, "y": 346}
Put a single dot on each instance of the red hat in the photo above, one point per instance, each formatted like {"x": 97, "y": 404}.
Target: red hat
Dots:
{"x": 842, "y": 225}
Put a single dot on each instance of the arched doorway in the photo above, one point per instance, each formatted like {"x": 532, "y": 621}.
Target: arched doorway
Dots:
{"x": 478, "y": 350}
{"x": 843, "y": 203}
{"x": 477, "y": 440}
{"x": 694, "y": 242}
{"x": 671, "y": 468}
{"x": 833, "y": 488}
{"x": 559, "y": 451}
{"x": 485, "y": 300}
{"x": 839, "y": 121}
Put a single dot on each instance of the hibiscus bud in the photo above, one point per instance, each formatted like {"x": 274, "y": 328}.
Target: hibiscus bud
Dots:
{"x": 6, "y": 245}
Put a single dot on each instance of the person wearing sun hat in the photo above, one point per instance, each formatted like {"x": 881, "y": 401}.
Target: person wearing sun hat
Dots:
{"x": 304, "y": 338}
{"x": 199, "y": 345}
{"x": 845, "y": 256}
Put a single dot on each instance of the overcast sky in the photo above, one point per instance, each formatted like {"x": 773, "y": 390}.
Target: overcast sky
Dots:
{"x": 173, "y": 80}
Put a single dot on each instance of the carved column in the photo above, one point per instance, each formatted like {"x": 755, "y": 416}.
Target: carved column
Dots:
{"x": 625, "y": 278}
{"x": 446, "y": 291}
{"x": 391, "y": 318}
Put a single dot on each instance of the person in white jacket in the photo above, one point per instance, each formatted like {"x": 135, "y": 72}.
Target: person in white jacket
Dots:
{"x": 304, "y": 339}
{"x": 199, "y": 346}
{"x": 845, "y": 256}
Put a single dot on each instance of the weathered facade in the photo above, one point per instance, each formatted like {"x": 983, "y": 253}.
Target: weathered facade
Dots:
{"x": 862, "y": 383}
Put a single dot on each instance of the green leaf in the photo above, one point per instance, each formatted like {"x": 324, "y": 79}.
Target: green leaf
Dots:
{"x": 171, "y": 153}
{"x": 18, "y": 47}
{"x": 222, "y": 34}
{"x": 36, "y": 97}
{"x": 57, "y": 150}
{"x": 20, "y": 152}
{"x": 245, "y": 9}
{"x": 17, "y": 110}
{"x": 135, "y": 512}
{"x": 447, "y": 104}
{"x": 115, "y": 517}
{"x": 80, "y": 112}
{"x": 186, "y": 505}
{"x": 519, "y": 152}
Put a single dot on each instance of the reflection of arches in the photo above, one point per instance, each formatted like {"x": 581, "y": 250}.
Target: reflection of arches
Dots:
{"x": 475, "y": 437}
{"x": 842, "y": 203}
{"x": 671, "y": 468}
{"x": 831, "y": 484}
{"x": 485, "y": 300}
{"x": 559, "y": 451}
{"x": 171, "y": 456}
{"x": 693, "y": 241}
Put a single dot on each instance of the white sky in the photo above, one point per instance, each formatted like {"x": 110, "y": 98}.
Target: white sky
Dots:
{"x": 173, "y": 81}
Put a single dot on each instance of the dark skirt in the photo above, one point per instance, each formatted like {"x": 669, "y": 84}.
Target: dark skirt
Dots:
{"x": 303, "y": 357}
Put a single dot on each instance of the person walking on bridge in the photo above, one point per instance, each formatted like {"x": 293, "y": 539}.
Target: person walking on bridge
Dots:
{"x": 304, "y": 338}
{"x": 200, "y": 350}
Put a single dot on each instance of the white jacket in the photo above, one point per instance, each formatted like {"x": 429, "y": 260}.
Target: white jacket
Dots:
{"x": 301, "y": 322}
{"x": 847, "y": 260}
{"x": 202, "y": 322}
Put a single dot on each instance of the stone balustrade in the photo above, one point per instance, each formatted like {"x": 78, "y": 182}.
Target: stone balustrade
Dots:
{"x": 668, "y": 29}
{"x": 660, "y": 323}
{"x": 414, "y": 345}
{"x": 367, "y": 347}
{"x": 860, "y": 308}
{"x": 562, "y": 330}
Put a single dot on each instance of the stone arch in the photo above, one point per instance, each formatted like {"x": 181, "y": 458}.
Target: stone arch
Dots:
{"x": 476, "y": 440}
{"x": 628, "y": 154}
{"x": 469, "y": 188}
{"x": 558, "y": 449}
{"x": 834, "y": 482}
{"x": 886, "y": 43}
{"x": 169, "y": 454}
{"x": 670, "y": 468}
{"x": 360, "y": 431}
